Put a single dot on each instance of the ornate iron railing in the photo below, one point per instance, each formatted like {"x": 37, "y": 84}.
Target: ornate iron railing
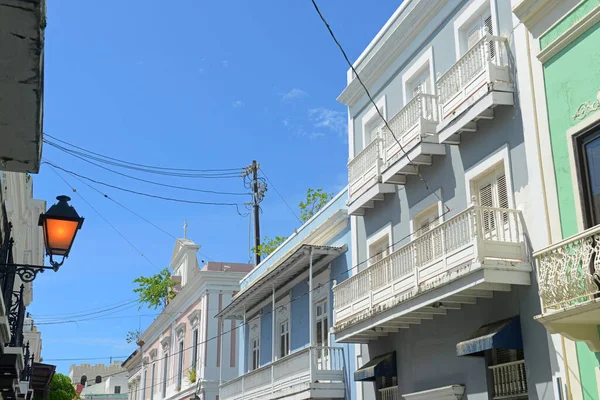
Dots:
{"x": 16, "y": 318}
{"x": 569, "y": 271}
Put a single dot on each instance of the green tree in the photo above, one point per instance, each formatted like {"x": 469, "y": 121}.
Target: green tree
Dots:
{"x": 133, "y": 336}
{"x": 315, "y": 200}
{"x": 268, "y": 245}
{"x": 155, "y": 291}
{"x": 61, "y": 388}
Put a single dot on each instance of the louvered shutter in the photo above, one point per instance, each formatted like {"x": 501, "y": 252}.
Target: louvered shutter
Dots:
{"x": 473, "y": 37}
{"x": 492, "y": 192}
{"x": 487, "y": 22}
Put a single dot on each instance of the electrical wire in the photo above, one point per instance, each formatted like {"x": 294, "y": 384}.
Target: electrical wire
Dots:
{"x": 104, "y": 218}
{"x": 282, "y": 198}
{"x": 140, "y": 165}
{"x": 236, "y": 205}
{"x": 410, "y": 162}
{"x": 163, "y": 184}
{"x": 36, "y": 316}
{"x": 207, "y": 175}
{"x": 88, "y": 313}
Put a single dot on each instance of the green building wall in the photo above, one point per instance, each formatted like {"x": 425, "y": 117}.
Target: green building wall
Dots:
{"x": 572, "y": 77}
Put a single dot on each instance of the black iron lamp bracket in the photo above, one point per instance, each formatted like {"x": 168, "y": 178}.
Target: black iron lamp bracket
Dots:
{"x": 27, "y": 272}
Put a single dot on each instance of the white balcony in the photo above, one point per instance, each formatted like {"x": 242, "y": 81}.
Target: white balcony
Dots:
{"x": 477, "y": 252}
{"x": 311, "y": 373}
{"x": 569, "y": 287}
{"x": 510, "y": 380}
{"x": 470, "y": 90}
{"x": 414, "y": 139}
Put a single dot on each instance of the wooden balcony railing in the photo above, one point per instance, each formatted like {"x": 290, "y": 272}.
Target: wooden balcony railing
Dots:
{"x": 510, "y": 380}
{"x": 313, "y": 364}
{"x": 473, "y": 235}
{"x": 568, "y": 271}
{"x": 390, "y": 393}
{"x": 364, "y": 167}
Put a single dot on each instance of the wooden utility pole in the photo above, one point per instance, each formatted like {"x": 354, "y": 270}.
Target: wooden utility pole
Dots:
{"x": 256, "y": 208}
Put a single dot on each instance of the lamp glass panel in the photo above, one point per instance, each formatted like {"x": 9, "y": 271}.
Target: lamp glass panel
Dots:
{"x": 59, "y": 235}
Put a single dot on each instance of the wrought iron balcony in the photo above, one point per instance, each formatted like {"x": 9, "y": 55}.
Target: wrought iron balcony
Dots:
{"x": 483, "y": 243}
{"x": 569, "y": 287}
{"x": 309, "y": 371}
{"x": 510, "y": 380}
{"x": 481, "y": 76}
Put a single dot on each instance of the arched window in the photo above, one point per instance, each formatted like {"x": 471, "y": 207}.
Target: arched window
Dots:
{"x": 98, "y": 379}
{"x": 83, "y": 380}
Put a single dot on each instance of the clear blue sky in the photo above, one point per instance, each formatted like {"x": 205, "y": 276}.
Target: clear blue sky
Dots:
{"x": 193, "y": 84}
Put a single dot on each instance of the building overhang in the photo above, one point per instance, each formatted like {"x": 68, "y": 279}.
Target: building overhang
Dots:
{"x": 579, "y": 322}
{"x": 22, "y": 24}
{"x": 290, "y": 266}
{"x": 41, "y": 377}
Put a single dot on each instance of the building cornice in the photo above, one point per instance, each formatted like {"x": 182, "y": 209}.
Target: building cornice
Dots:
{"x": 532, "y": 12}
{"x": 398, "y": 33}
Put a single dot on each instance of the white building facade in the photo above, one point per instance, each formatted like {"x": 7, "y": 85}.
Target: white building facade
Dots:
{"x": 444, "y": 217}
{"x": 184, "y": 352}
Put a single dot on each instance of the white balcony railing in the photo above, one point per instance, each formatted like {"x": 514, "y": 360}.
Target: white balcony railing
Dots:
{"x": 484, "y": 63}
{"x": 473, "y": 235}
{"x": 365, "y": 166}
{"x": 390, "y": 393}
{"x": 405, "y": 123}
{"x": 510, "y": 379}
{"x": 569, "y": 271}
{"x": 313, "y": 364}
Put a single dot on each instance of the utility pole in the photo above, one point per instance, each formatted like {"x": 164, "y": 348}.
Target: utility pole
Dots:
{"x": 258, "y": 187}
{"x": 255, "y": 206}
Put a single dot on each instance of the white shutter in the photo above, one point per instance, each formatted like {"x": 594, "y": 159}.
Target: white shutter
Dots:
{"x": 492, "y": 192}
{"x": 487, "y": 22}
{"x": 379, "y": 250}
{"x": 473, "y": 37}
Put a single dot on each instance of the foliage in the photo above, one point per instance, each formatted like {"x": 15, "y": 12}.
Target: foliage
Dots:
{"x": 155, "y": 291}
{"x": 268, "y": 245}
{"x": 61, "y": 388}
{"x": 192, "y": 375}
{"x": 315, "y": 200}
{"x": 133, "y": 336}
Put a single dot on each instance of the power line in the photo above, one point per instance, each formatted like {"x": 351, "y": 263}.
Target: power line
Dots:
{"x": 36, "y": 316}
{"x": 102, "y": 216}
{"x": 162, "y": 184}
{"x": 277, "y": 191}
{"x": 207, "y": 175}
{"x": 85, "y": 314}
{"x": 140, "y": 165}
{"x": 410, "y": 162}
{"x": 143, "y": 193}
{"x": 106, "y": 196}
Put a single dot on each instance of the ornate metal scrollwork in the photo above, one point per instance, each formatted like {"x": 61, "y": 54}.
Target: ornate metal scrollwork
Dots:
{"x": 587, "y": 108}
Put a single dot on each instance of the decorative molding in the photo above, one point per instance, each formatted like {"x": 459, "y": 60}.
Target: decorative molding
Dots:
{"x": 145, "y": 361}
{"x": 194, "y": 318}
{"x": 153, "y": 353}
{"x": 166, "y": 343}
{"x": 570, "y": 35}
{"x": 587, "y": 108}
{"x": 180, "y": 330}
{"x": 532, "y": 12}
{"x": 446, "y": 392}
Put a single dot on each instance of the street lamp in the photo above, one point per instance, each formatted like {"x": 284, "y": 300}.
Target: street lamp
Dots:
{"x": 60, "y": 225}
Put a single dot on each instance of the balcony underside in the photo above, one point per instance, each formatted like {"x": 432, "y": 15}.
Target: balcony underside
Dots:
{"x": 461, "y": 285}
{"x": 371, "y": 193}
{"x": 579, "y": 322}
{"x": 483, "y": 104}
{"x": 401, "y": 166}
{"x": 22, "y": 25}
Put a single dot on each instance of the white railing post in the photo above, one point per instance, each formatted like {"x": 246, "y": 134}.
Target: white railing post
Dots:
{"x": 370, "y": 288}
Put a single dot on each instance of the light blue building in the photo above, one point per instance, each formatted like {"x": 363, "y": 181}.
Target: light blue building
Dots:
{"x": 286, "y": 306}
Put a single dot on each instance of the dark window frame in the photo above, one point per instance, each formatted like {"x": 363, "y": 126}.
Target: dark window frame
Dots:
{"x": 580, "y": 139}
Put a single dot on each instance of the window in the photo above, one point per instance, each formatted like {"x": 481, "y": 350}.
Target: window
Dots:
{"x": 476, "y": 30}
{"x": 588, "y": 159}
{"x": 379, "y": 249}
{"x": 152, "y": 377}
{"x": 98, "y": 379}
{"x": 255, "y": 353}
{"x": 165, "y": 374}
{"x": 144, "y": 384}
{"x": 428, "y": 244}
{"x": 371, "y": 122}
{"x": 117, "y": 389}
{"x": 194, "y": 348}
{"x": 180, "y": 365}
{"x": 491, "y": 192}
{"x": 284, "y": 338}
{"x": 322, "y": 334}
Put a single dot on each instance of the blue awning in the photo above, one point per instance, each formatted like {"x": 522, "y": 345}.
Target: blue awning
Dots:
{"x": 383, "y": 365}
{"x": 504, "y": 334}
